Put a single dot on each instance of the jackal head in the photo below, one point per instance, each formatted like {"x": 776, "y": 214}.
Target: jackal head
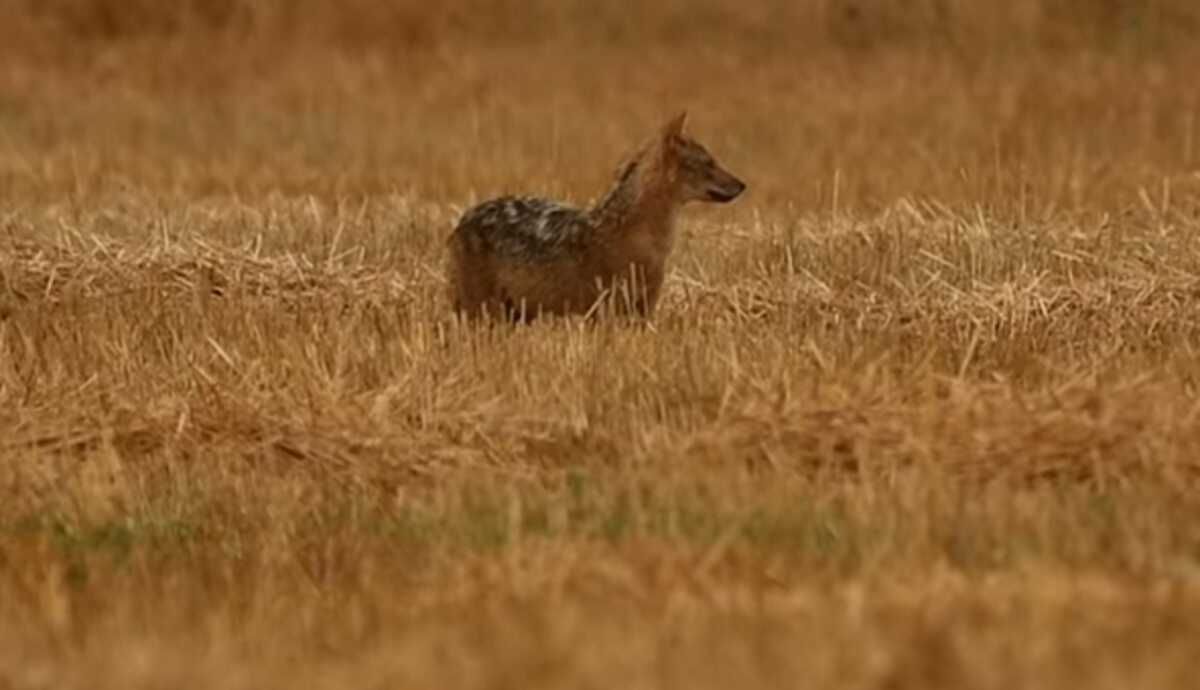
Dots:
{"x": 699, "y": 177}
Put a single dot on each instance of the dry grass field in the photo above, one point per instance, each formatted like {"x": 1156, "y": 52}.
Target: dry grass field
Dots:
{"x": 920, "y": 410}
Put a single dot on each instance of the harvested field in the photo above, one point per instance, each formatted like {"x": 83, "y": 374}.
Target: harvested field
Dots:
{"x": 919, "y": 410}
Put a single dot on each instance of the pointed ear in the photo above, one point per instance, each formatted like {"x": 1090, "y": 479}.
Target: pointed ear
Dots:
{"x": 674, "y": 127}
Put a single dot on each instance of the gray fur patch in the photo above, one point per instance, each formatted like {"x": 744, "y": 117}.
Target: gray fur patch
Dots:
{"x": 527, "y": 227}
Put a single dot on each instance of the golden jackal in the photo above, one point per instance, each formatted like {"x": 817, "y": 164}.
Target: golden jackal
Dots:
{"x": 518, "y": 256}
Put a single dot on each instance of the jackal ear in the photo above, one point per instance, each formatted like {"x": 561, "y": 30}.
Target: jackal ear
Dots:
{"x": 674, "y": 127}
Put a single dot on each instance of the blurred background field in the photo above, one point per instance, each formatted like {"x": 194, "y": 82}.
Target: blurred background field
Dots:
{"x": 919, "y": 411}
{"x": 1056, "y": 105}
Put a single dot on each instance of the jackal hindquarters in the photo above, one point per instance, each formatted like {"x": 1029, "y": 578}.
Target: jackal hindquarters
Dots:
{"x": 515, "y": 257}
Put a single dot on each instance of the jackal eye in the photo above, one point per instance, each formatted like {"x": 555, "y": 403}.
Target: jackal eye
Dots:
{"x": 701, "y": 156}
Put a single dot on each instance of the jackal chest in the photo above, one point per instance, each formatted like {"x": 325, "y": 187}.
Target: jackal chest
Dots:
{"x": 633, "y": 262}
{"x": 646, "y": 244}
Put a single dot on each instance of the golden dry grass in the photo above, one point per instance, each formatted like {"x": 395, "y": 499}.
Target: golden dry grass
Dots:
{"x": 920, "y": 411}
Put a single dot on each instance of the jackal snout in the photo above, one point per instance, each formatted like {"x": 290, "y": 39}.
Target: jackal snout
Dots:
{"x": 724, "y": 187}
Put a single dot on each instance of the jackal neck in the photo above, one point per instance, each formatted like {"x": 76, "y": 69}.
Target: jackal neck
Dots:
{"x": 640, "y": 194}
